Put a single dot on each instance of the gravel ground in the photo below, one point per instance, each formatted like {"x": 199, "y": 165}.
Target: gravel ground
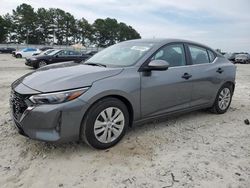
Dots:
{"x": 198, "y": 149}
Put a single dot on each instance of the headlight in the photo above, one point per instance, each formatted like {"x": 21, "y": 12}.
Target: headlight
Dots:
{"x": 57, "y": 97}
{"x": 33, "y": 59}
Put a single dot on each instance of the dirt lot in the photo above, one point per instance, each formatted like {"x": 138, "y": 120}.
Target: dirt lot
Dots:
{"x": 198, "y": 149}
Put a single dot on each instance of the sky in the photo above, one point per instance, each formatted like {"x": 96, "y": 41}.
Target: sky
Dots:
{"x": 219, "y": 24}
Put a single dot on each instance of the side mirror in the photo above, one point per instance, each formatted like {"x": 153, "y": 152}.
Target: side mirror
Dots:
{"x": 56, "y": 56}
{"x": 157, "y": 65}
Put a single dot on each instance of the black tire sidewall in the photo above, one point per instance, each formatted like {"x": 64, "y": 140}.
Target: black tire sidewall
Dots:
{"x": 87, "y": 130}
{"x": 38, "y": 65}
{"x": 216, "y": 104}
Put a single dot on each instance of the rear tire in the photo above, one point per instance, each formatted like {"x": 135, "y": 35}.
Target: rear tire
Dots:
{"x": 223, "y": 99}
{"x": 105, "y": 123}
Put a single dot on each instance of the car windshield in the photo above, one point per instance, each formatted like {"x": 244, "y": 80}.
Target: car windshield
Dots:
{"x": 48, "y": 52}
{"x": 121, "y": 55}
{"x": 54, "y": 52}
{"x": 242, "y": 56}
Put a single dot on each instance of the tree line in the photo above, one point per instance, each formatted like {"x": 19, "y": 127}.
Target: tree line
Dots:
{"x": 55, "y": 26}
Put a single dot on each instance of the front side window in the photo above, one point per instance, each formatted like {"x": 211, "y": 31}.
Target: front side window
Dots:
{"x": 199, "y": 55}
{"x": 74, "y": 53}
{"x": 63, "y": 53}
{"x": 174, "y": 54}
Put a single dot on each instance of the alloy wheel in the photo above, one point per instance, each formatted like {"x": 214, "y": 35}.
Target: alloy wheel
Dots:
{"x": 109, "y": 125}
{"x": 224, "y": 98}
{"x": 42, "y": 64}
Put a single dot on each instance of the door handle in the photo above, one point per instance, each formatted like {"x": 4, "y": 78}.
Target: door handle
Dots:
{"x": 186, "y": 76}
{"x": 220, "y": 70}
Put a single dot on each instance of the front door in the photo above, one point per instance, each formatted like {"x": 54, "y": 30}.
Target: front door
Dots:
{"x": 170, "y": 90}
{"x": 62, "y": 56}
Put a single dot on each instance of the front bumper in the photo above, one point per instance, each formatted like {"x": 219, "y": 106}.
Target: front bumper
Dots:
{"x": 30, "y": 63}
{"x": 52, "y": 123}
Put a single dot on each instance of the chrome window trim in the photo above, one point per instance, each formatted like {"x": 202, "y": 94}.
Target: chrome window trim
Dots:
{"x": 194, "y": 64}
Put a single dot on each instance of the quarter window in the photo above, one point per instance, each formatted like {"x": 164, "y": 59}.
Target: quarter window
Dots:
{"x": 174, "y": 54}
{"x": 199, "y": 55}
{"x": 211, "y": 55}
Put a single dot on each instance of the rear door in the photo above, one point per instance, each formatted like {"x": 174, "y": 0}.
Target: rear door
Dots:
{"x": 206, "y": 77}
{"x": 170, "y": 90}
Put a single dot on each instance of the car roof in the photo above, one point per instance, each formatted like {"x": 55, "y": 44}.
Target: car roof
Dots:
{"x": 163, "y": 41}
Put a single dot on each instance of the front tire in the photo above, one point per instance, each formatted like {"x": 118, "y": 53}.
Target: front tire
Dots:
{"x": 42, "y": 64}
{"x": 105, "y": 123}
{"x": 223, "y": 99}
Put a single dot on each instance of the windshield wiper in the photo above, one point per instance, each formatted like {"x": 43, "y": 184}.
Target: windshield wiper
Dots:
{"x": 95, "y": 64}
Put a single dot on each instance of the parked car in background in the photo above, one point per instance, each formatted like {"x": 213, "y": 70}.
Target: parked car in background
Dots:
{"x": 130, "y": 82}
{"x": 14, "y": 53}
{"x": 91, "y": 52}
{"x": 46, "y": 52}
{"x": 7, "y": 50}
{"x": 231, "y": 56}
{"x": 242, "y": 58}
{"x": 56, "y": 56}
{"x": 26, "y": 52}
{"x": 45, "y": 48}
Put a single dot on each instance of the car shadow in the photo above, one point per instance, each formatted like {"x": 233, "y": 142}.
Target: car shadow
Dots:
{"x": 137, "y": 131}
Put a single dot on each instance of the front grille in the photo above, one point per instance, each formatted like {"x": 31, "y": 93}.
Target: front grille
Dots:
{"x": 18, "y": 104}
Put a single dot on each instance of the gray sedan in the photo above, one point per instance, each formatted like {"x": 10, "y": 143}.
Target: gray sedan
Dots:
{"x": 125, "y": 84}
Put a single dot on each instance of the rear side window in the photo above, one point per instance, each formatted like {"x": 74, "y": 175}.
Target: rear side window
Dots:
{"x": 174, "y": 54}
{"x": 199, "y": 55}
{"x": 211, "y": 55}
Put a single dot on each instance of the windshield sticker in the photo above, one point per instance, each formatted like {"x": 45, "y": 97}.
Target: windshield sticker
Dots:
{"x": 140, "y": 48}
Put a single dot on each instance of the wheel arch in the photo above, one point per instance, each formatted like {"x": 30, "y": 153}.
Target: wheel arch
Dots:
{"x": 128, "y": 105}
{"x": 214, "y": 108}
{"x": 43, "y": 60}
{"x": 19, "y": 54}
{"x": 121, "y": 98}
{"x": 230, "y": 83}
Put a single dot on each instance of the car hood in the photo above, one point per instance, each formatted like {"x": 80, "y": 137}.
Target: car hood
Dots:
{"x": 64, "y": 76}
{"x": 40, "y": 56}
{"x": 243, "y": 58}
